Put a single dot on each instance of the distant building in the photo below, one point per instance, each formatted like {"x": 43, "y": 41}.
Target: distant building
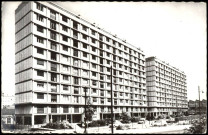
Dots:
{"x": 166, "y": 88}
{"x": 7, "y": 100}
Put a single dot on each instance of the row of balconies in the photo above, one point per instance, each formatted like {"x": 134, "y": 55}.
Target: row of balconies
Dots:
{"x": 71, "y": 25}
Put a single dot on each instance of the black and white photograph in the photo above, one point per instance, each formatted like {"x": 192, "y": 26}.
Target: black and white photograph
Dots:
{"x": 81, "y": 67}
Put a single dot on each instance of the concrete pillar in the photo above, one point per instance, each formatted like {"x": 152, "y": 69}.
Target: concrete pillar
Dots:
{"x": 32, "y": 121}
{"x": 47, "y": 118}
{"x": 51, "y": 120}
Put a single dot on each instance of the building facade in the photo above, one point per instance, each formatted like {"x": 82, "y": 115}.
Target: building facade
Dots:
{"x": 166, "y": 88}
{"x": 59, "y": 54}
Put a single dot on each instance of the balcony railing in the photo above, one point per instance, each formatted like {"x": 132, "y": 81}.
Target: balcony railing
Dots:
{"x": 76, "y": 110}
{"x": 53, "y": 110}
{"x": 53, "y": 100}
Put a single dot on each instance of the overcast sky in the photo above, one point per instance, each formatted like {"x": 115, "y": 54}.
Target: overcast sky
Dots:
{"x": 173, "y": 32}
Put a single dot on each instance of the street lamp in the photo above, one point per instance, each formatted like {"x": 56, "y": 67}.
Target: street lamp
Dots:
{"x": 199, "y": 101}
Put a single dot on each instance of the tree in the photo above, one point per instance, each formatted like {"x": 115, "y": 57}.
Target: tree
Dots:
{"x": 197, "y": 127}
{"x": 125, "y": 117}
{"x": 89, "y": 111}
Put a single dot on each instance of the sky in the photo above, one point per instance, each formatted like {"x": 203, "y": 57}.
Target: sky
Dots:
{"x": 174, "y": 32}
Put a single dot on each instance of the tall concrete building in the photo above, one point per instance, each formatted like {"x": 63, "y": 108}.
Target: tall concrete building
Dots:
{"x": 166, "y": 88}
{"x": 58, "y": 55}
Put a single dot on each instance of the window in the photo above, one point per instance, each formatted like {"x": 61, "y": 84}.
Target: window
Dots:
{"x": 64, "y": 18}
{"x": 84, "y": 37}
{"x": 85, "y": 46}
{"x": 94, "y": 99}
{"x": 76, "y": 62}
{"x": 75, "y": 25}
{"x": 53, "y": 25}
{"x": 65, "y": 87}
{"x": 94, "y": 66}
{"x": 40, "y": 73}
{"x": 39, "y": 18}
{"x": 94, "y": 74}
{"x": 40, "y": 62}
{"x": 40, "y": 84}
{"x": 53, "y": 67}
{"x": 65, "y": 68}
{"x": 93, "y": 40}
{"x": 101, "y": 77}
{"x": 53, "y": 14}
{"x": 93, "y": 49}
{"x": 53, "y": 35}
{"x": 94, "y": 90}
{"x": 39, "y": 6}
{"x": 75, "y": 43}
{"x": 65, "y": 109}
{"x": 53, "y": 77}
{"x": 64, "y": 28}
{"x": 40, "y": 40}
{"x": 94, "y": 83}
{"x": 93, "y": 32}
{"x": 101, "y": 85}
{"x": 107, "y": 39}
{"x": 75, "y": 34}
{"x": 39, "y": 28}
{"x": 76, "y": 80}
{"x": 108, "y": 54}
{"x": 107, "y": 46}
{"x": 76, "y": 90}
{"x": 8, "y": 120}
{"x": 75, "y": 53}
{"x": 84, "y": 28}
{"x": 93, "y": 57}
{"x": 101, "y": 69}
{"x": 53, "y": 98}
{"x": 65, "y": 48}
{"x": 53, "y": 88}
{"x": 40, "y": 51}
{"x": 85, "y": 54}
{"x": 53, "y": 45}
{"x": 108, "y": 62}
{"x": 53, "y": 56}
{"x": 65, "y": 77}
{"x": 40, "y": 96}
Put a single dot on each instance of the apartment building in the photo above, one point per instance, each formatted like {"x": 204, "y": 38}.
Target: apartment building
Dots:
{"x": 166, "y": 88}
{"x": 58, "y": 55}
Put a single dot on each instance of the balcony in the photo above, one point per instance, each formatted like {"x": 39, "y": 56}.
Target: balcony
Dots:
{"x": 76, "y": 110}
{"x": 65, "y": 110}
{"x": 53, "y": 110}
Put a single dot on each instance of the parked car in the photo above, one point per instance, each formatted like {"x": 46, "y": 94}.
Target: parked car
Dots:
{"x": 141, "y": 122}
{"x": 116, "y": 123}
{"x": 142, "y": 119}
{"x": 160, "y": 123}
